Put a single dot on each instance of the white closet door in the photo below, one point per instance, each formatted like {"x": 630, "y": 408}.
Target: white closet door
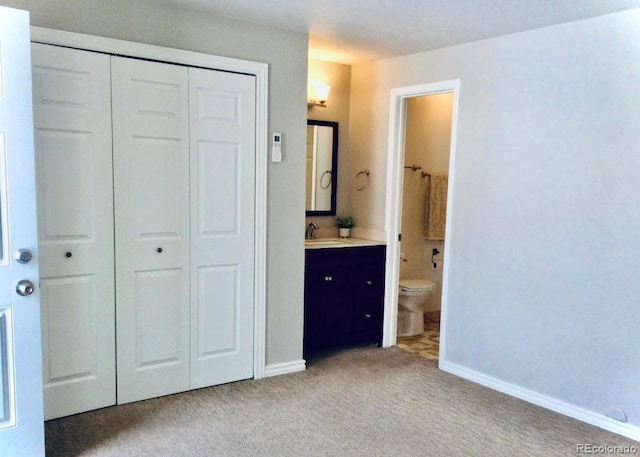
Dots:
{"x": 72, "y": 111}
{"x": 222, "y": 135}
{"x": 151, "y": 182}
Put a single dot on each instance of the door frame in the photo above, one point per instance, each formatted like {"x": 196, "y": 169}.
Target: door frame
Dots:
{"x": 196, "y": 59}
{"x": 393, "y": 214}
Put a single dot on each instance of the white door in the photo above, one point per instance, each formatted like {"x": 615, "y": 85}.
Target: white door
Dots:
{"x": 222, "y": 136}
{"x": 151, "y": 179}
{"x": 72, "y": 117}
{"x": 21, "y": 419}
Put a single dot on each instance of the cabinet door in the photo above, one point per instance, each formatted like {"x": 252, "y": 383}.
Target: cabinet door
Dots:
{"x": 222, "y": 137}
{"x": 151, "y": 179}
{"x": 339, "y": 303}
{"x": 328, "y": 298}
{"x": 72, "y": 111}
{"x": 317, "y": 293}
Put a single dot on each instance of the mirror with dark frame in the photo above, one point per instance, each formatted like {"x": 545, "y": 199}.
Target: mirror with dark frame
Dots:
{"x": 322, "y": 167}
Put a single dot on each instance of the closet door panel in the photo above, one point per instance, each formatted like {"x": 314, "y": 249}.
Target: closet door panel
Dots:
{"x": 72, "y": 115}
{"x": 157, "y": 309}
{"x": 222, "y": 136}
{"x": 63, "y": 161}
{"x": 215, "y": 335}
{"x": 151, "y": 182}
{"x": 158, "y": 155}
{"x": 64, "y": 297}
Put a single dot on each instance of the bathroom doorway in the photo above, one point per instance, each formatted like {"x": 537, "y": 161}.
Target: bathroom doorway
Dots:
{"x": 423, "y": 123}
{"x": 427, "y": 143}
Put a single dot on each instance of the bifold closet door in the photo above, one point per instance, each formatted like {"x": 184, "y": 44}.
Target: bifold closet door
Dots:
{"x": 222, "y": 135}
{"x": 151, "y": 182}
{"x": 72, "y": 115}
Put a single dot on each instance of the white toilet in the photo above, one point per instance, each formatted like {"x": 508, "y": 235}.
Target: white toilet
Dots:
{"x": 412, "y": 296}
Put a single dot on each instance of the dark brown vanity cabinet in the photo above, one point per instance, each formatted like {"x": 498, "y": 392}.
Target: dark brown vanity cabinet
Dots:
{"x": 343, "y": 296}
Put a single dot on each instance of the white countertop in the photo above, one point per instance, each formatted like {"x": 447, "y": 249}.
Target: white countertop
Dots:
{"x": 336, "y": 242}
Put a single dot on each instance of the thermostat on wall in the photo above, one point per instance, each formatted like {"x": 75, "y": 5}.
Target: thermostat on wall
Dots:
{"x": 276, "y": 147}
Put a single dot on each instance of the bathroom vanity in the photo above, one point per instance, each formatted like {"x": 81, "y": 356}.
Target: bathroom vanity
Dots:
{"x": 344, "y": 293}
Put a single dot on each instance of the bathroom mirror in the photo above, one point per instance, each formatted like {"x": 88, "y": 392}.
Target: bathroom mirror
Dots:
{"x": 322, "y": 167}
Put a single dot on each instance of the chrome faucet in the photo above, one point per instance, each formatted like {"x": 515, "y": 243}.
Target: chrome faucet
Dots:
{"x": 311, "y": 229}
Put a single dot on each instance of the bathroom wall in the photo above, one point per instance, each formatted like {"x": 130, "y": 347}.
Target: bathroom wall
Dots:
{"x": 368, "y": 143}
{"x": 427, "y": 144}
{"x": 338, "y": 76}
{"x": 286, "y": 53}
{"x": 544, "y": 259}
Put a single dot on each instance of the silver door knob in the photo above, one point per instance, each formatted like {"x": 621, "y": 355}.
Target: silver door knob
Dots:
{"x": 23, "y": 256}
{"x": 25, "y": 287}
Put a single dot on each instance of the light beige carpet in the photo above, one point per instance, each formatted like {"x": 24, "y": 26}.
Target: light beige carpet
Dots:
{"x": 356, "y": 402}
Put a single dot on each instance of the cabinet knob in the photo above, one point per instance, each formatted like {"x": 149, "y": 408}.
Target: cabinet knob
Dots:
{"x": 68, "y": 254}
{"x": 159, "y": 250}
{"x": 328, "y": 278}
{"x": 368, "y": 316}
{"x": 369, "y": 283}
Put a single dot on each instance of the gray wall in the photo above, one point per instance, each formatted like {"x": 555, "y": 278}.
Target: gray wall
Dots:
{"x": 286, "y": 54}
{"x": 544, "y": 286}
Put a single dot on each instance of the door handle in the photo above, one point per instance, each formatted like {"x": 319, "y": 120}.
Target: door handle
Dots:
{"x": 23, "y": 256}
{"x": 25, "y": 287}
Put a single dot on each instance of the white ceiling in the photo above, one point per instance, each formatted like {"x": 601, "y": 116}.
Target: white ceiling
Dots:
{"x": 348, "y": 31}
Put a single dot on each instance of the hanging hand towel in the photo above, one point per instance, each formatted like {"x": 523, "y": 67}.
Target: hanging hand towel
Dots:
{"x": 436, "y": 207}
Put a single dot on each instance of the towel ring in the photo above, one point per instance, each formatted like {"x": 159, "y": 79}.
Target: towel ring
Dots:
{"x": 322, "y": 179}
{"x": 364, "y": 183}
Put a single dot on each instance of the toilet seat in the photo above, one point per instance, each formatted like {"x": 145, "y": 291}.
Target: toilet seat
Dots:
{"x": 416, "y": 285}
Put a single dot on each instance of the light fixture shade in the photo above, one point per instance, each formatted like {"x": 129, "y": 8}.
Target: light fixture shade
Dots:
{"x": 317, "y": 94}
{"x": 322, "y": 92}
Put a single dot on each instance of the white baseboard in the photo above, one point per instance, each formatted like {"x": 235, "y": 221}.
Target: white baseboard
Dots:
{"x": 276, "y": 369}
{"x": 567, "y": 409}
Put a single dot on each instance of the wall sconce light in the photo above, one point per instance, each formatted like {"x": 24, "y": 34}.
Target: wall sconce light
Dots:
{"x": 317, "y": 95}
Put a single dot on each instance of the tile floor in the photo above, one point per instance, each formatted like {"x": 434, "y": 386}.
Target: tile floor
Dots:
{"x": 425, "y": 345}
